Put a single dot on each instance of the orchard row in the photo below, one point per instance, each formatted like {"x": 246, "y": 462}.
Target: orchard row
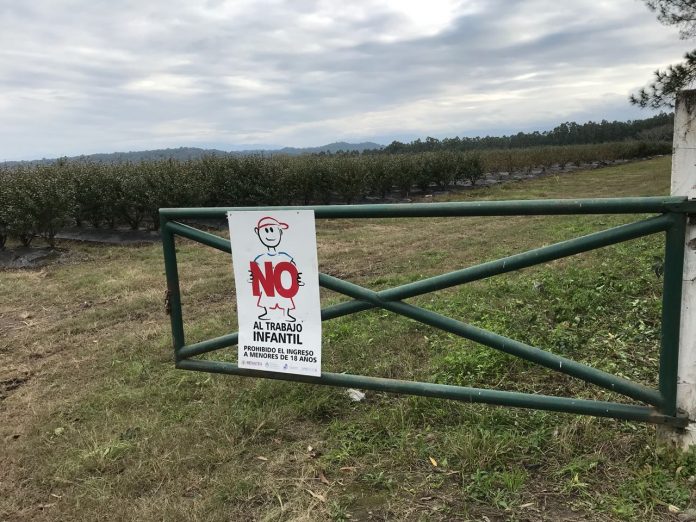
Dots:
{"x": 39, "y": 200}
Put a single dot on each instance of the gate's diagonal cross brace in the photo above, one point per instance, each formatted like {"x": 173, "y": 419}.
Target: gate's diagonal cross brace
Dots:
{"x": 498, "y": 342}
{"x": 390, "y": 300}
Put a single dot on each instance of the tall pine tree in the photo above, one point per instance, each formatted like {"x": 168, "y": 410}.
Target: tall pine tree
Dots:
{"x": 666, "y": 83}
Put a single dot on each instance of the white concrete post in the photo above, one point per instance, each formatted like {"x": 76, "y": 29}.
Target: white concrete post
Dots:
{"x": 684, "y": 184}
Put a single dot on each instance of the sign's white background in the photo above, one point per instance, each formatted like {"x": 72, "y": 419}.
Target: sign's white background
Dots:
{"x": 299, "y": 241}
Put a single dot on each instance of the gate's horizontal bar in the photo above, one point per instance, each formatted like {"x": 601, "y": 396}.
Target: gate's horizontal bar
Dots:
{"x": 459, "y": 393}
{"x": 499, "y": 342}
{"x": 656, "y": 204}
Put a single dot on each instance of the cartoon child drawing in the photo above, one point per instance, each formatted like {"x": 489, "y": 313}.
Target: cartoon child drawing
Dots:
{"x": 267, "y": 271}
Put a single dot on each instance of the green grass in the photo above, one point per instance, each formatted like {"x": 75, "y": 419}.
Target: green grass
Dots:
{"x": 103, "y": 426}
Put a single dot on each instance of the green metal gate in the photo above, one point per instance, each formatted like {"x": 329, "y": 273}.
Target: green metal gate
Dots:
{"x": 659, "y": 405}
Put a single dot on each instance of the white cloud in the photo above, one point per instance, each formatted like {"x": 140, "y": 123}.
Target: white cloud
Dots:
{"x": 79, "y": 77}
{"x": 175, "y": 84}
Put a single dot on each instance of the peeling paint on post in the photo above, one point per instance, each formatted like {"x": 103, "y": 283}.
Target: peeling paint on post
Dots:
{"x": 684, "y": 184}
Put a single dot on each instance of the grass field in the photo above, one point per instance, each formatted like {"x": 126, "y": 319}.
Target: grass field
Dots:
{"x": 96, "y": 424}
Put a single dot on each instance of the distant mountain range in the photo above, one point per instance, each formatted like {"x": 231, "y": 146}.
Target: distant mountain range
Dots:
{"x": 654, "y": 128}
{"x": 185, "y": 153}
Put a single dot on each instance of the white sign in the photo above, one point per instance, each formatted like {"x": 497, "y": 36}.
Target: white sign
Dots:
{"x": 276, "y": 275}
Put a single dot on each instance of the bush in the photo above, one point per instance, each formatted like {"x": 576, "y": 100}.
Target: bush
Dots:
{"x": 471, "y": 167}
{"x": 4, "y": 207}
{"x": 217, "y": 173}
{"x": 302, "y": 180}
{"x": 19, "y": 220}
{"x": 378, "y": 177}
{"x": 276, "y": 181}
{"x": 97, "y": 194}
{"x": 133, "y": 202}
{"x": 168, "y": 183}
{"x": 349, "y": 176}
{"x": 250, "y": 185}
{"x": 404, "y": 170}
{"x": 425, "y": 171}
{"x": 444, "y": 168}
{"x": 41, "y": 201}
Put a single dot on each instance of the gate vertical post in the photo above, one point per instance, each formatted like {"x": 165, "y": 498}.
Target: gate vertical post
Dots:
{"x": 684, "y": 184}
{"x": 173, "y": 290}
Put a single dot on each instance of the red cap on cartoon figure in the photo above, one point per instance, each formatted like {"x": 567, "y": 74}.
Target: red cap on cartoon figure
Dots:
{"x": 269, "y": 221}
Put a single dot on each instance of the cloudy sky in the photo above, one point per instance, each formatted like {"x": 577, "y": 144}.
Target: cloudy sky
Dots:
{"x": 84, "y": 76}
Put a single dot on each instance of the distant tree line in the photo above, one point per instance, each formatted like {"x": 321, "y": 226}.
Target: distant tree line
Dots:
{"x": 657, "y": 128}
